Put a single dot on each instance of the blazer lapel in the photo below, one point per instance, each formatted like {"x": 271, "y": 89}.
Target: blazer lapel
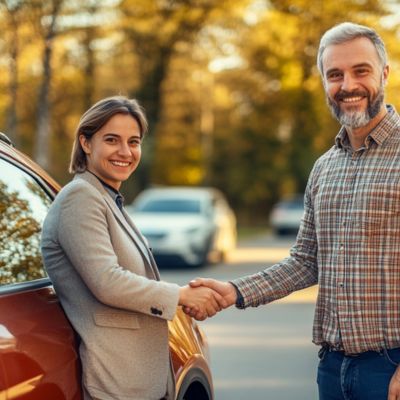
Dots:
{"x": 133, "y": 233}
{"x": 129, "y": 227}
{"x": 152, "y": 262}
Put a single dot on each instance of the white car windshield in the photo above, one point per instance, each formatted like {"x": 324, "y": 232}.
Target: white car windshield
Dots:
{"x": 170, "y": 206}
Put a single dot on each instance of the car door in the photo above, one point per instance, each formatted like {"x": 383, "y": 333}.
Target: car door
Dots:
{"x": 38, "y": 348}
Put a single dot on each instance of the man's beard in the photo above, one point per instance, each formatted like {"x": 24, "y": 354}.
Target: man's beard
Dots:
{"x": 356, "y": 119}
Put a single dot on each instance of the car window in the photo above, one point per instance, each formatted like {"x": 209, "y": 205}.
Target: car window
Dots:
{"x": 170, "y": 206}
{"x": 292, "y": 204}
{"x": 23, "y": 206}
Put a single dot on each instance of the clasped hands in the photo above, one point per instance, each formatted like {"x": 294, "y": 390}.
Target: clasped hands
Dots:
{"x": 203, "y": 298}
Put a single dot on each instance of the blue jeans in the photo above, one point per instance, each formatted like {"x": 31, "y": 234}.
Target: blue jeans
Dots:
{"x": 362, "y": 377}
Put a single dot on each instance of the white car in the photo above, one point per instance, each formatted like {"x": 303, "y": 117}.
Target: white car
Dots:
{"x": 286, "y": 215}
{"x": 185, "y": 225}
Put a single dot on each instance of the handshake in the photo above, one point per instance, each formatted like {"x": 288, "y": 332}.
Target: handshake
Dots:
{"x": 203, "y": 298}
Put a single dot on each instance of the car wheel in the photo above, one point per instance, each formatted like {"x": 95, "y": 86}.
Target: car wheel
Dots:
{"x": 195, "y": 387}
{"x": 204, "y": 254}
{"x": 282, "y": 231}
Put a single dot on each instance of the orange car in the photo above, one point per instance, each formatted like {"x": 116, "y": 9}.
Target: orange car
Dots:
{"x": 38, "y": 347}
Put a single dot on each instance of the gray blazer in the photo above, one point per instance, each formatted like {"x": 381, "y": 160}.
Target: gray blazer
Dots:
{"x": 109, "y": 287}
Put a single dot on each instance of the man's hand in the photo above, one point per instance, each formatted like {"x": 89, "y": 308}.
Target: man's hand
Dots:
{"x": 204, "y": 301}
{"x": 225, "y": 289}
{"x": 394, "y": 386}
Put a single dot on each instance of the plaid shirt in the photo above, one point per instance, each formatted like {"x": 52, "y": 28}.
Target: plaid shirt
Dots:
{"x": 348, "y": 243}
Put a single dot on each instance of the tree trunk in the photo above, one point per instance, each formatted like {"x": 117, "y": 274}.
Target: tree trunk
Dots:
{"x": 150, "y": 96}
{"x": 42, "y": 149}
{"x": 155, "y": 51}
{"x": 90, "y": 68}
{"x": 11, "y": 124}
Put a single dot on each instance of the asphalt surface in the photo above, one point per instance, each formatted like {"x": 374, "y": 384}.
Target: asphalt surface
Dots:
{"x": 259, "y": 353}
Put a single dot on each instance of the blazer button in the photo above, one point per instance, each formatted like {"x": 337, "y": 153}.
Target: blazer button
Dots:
{"x": 155, "y": 311}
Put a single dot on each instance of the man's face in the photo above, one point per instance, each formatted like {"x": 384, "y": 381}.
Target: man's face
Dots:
{"x": 354, "y": 81}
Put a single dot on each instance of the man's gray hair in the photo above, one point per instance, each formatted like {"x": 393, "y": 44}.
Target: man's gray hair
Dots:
{"x": 345, "y": 32}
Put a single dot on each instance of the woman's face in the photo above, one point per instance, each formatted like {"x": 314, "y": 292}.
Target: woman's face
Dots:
{"x": 114, "y": 151}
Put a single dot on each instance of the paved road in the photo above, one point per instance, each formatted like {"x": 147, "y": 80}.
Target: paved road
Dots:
{"x": 264, "y": 353}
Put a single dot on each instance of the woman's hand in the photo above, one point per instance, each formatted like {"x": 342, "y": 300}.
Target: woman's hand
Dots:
{"x": 204, "y": 302}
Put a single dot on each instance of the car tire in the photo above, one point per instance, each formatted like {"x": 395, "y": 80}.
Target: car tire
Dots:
{"x": 195, "y": 387}
{"x": 282, "y": 231}
{"x": 204, "y": 253}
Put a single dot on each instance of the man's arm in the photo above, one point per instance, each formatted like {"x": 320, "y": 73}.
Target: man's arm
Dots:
{"x": 298, "y": 271}
{"x": 293, "y": 273}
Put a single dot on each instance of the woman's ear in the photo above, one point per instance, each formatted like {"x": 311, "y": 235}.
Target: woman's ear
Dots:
{"x": 85, "y": 143}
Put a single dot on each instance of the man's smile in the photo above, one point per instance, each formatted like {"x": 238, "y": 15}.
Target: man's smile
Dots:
{"x": 352, "y": 99}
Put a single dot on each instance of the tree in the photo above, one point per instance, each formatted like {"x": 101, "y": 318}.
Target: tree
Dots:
{"x": 13, "y": 14}
{"x": 87, "y": 23}
{"x": 156, "y": 30}
{"x": 46, "y": 13}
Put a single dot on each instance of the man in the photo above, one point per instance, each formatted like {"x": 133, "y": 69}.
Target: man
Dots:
{"x": 348, "y": 241}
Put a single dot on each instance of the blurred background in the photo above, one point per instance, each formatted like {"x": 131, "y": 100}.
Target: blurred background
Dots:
{"x": 234, "y": 102}
{"x": 230, "y": 88}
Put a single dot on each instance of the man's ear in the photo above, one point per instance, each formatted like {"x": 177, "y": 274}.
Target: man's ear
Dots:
{"x": 85, "y": 143}
{"x": 385, "y": 74}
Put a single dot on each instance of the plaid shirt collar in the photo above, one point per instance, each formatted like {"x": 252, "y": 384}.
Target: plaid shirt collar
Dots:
{"x": 378, "y": 134}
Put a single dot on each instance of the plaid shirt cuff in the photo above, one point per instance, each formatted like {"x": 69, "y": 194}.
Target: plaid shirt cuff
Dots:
{"x": 239, "y": 297}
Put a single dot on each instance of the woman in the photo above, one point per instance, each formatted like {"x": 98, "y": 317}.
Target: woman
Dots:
{"x": 102, "y": 269}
